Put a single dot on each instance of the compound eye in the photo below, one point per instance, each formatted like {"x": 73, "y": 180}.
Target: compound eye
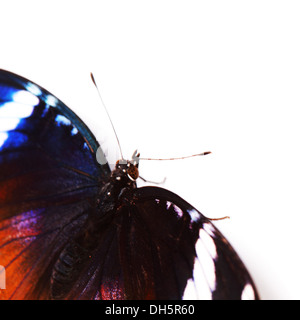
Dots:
{"x": 133, "y": 173}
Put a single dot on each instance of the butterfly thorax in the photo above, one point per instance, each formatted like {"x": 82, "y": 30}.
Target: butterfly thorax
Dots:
{"x": 122, "y": 178}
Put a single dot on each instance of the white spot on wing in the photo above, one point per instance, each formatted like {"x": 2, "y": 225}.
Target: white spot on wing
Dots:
{"x": 197, "y": 288}
{"x": 3, "y": 137}
{"x": 11, "y": 113}
{"x": 25, "y": 97}
{"x": 16, "y": 110}
{"x": 202, "y": 285}
{"x": 190, "y": 292}
{"x": 74, "y": 131}
{"x": 52, "y": 101}
{"x": 33, "y": 89}
{"x": 168, "y": 204}
{"x": 8, "y": 124}
{"x": 209, "y": 228}
{"x": 178, "y": 211}
{"x": 208, "y": 243}
{"x": 194, "y": 214}
{"x": 60, "y": 119}
{"x": 207, "y": 264}
{"x": 248, "y": 292}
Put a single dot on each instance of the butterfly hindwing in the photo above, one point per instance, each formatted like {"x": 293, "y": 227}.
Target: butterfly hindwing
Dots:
{"x": 175, "y": 252}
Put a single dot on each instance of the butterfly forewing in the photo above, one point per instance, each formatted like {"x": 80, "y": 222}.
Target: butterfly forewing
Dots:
{"x": 48, "y": 178}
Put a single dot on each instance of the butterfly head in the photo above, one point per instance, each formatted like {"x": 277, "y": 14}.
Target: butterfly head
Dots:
{"x": 129, "y": 168}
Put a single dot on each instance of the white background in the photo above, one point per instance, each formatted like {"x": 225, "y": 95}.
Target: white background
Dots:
{"x": 178, "y": 78}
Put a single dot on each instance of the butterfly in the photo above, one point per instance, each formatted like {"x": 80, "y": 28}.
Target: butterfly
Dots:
{"x": 72, "y": 228}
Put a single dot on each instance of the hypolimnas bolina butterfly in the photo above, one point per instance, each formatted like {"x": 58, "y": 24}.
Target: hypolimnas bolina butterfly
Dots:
{"x": 70, "y": 228}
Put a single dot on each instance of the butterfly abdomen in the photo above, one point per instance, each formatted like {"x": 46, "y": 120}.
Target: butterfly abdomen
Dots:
{"x": 67, "y": 269}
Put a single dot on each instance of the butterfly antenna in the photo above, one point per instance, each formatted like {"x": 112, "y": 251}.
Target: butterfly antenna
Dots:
{"x": 94, "y": 81}
{"x": 179, "y": 158}
{"x": 155, "y": 182}
{"x": 216, "y": 219}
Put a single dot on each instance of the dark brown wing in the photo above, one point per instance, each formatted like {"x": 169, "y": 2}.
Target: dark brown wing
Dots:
{"x": 169, "y": 250}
